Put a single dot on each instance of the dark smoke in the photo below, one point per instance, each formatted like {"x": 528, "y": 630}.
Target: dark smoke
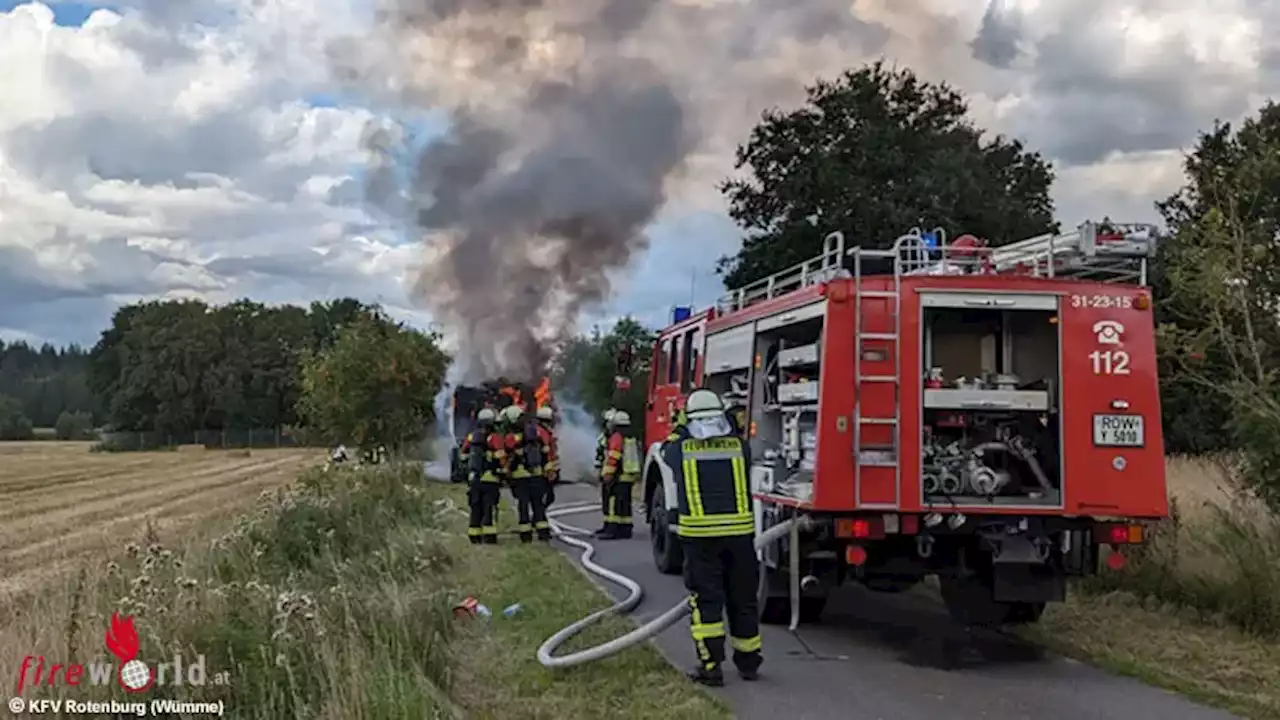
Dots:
{"x": 533, "y": 203}
{"x": 570, "y": 121}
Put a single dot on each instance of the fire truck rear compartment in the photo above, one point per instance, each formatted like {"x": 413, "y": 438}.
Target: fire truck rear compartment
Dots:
{"x": 990, "y": 433}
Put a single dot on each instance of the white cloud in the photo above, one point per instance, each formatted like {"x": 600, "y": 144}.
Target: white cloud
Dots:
{"x": 167, "y": 149}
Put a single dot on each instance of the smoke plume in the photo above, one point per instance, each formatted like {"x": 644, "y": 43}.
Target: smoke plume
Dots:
{"x": 572, "y": 123}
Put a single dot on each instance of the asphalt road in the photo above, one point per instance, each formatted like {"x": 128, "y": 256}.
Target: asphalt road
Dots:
{"x": 885, "y": 657}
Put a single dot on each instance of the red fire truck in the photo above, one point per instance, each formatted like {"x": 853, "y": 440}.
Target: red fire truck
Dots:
{"x": 987, "y": 415}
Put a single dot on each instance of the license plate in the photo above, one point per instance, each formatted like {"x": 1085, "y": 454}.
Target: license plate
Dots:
{"x": 1118, "y": 431}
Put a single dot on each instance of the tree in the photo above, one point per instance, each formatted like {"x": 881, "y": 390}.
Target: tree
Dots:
{"x": 74, "y": 426}
{"x": 586, "y": 367}
{"x": 376, "y": 385}
{"x": 14, "y": 425}
{"x": 874, "y": 154}
{"x": 1220, "y": 288}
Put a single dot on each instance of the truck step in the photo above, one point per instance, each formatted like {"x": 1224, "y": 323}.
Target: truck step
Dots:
{"x": 878, "y": 336}
{"x": 878, "y": 379}
{"x": 878, "y": 421}
{"x": 878, "y": 294}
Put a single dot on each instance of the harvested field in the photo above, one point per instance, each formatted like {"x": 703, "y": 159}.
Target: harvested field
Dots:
{"x": 63, "y": 503}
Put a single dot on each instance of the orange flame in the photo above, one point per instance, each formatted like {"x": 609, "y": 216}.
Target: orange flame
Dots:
{"x": 542, "y": 395}
{"x": 122, "y": 639}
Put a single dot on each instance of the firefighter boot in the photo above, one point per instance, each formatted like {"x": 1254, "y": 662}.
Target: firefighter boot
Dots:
{"x": 708, "y": 674}
{"x": 619, "y": 511}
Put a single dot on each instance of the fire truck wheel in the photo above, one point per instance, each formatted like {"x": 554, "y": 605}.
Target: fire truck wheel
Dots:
{"x": 667, "y": 554}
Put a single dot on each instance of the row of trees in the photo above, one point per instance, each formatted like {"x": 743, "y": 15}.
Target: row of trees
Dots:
{"x": 180, "y": 365}
{"x": 40, "y": 386}
{"x": 342, "y": 369}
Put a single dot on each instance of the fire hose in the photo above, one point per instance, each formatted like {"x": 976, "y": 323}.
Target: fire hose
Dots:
{"x": 571, "y": 535}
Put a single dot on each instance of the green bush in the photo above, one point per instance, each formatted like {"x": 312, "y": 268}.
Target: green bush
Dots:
{"x": 74, "y": 426}
{"x": 1221, "y": 561}
{"x": 14, "y": 425}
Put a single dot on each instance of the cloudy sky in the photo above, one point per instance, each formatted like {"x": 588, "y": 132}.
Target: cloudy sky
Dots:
{"x": 167, "y": 148}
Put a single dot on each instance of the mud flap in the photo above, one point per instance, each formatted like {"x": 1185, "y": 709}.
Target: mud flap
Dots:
{"x": 1021, "y": 574}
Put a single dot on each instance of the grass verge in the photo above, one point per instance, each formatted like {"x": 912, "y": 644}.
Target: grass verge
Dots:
{"x": 333, "y": 600}
{"x": 497, "y": 675}
{"x": 1196, "y": 610}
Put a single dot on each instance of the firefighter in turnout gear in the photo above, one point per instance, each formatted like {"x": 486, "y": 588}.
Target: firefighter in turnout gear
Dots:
{"x": 484, "y": 455}
{"x": 621, "y": 468}
{"x": 716, "y": 526}
{"x": 550, "y": 452}
{"x": 525, "y": 468}
{"x": 601, "y": 441}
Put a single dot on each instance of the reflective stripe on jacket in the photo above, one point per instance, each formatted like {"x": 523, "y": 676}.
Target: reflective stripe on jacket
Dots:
{"x": 713, "y": 486}
{"x": 622, "y": 458}
{"x": 601, "y": 441}
{"x": 484, "y": 465}
{"x": 550, "y": 450}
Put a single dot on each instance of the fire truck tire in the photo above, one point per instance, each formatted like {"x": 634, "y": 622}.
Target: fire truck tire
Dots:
{"x": 668, "y": 556}
{"x": 776, "y": 609}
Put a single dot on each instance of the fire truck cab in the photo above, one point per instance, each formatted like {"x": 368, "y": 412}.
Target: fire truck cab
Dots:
{"x": 989, "y": 416}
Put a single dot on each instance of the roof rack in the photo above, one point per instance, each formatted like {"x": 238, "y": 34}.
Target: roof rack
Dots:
{"x": 1105, "y": 251}
{"x": 828, "y": 265}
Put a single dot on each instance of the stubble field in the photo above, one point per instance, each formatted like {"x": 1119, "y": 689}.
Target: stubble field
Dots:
{"x": 60, "y": 504}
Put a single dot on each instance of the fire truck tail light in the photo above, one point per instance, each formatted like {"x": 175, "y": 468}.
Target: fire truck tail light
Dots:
{"x": 855, "y": 555}
{"x": 860, "y": 528}
{"x": 1120, "y": 534}
{"x": 1116, "y": 561}
{"x": 1142, "y": 302}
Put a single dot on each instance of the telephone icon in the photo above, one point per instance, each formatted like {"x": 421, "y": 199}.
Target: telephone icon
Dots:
{"x": 1108, "y": 332}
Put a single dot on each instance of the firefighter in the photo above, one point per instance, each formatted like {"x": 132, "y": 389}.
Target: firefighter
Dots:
{"x": 485, "y": 455}
{"x": 621, "y": 468}
{"x": 550, "y": 452}
{"x": 717, "y": 529}
{"x": 601, "y": 440}
{"x": 524, "y": 455}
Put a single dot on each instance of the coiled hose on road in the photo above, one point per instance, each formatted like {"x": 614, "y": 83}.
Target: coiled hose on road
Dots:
{"x": 635, "y": 593}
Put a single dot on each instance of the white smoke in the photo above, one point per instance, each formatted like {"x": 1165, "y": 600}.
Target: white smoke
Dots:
{"x": 576, "y": 435}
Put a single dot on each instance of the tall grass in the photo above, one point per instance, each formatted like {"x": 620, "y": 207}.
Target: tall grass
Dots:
{"x": 1218, "y": 554}
{"x": 328, "y": 601}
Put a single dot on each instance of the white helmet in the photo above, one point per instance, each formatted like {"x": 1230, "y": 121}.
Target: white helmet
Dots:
{"x": 703, "y": 403}
{"x": 512, "y": 413}
{"x": 486, "y": 415}
{"x": 620, "y": 418}
{"x": 545, "y": 413}
{"x": 608, "y": 415}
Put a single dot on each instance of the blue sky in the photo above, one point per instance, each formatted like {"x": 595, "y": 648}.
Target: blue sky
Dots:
{"x": 67, "y": 14}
